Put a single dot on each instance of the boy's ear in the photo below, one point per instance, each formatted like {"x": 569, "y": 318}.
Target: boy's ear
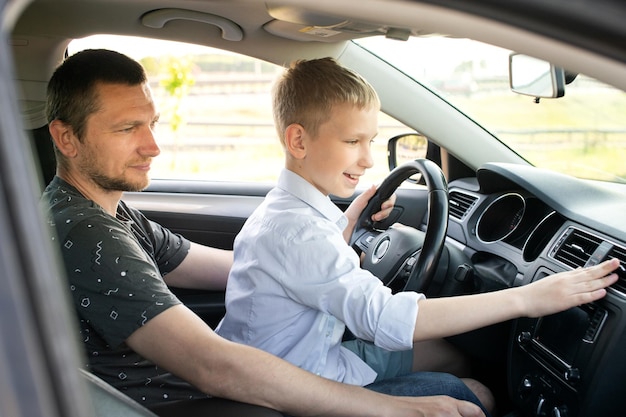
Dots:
{"x": 294, "y": 140}
{"x": 63, "y": 137}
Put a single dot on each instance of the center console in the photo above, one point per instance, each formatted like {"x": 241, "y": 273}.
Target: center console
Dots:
{"x": 572, "y": 363}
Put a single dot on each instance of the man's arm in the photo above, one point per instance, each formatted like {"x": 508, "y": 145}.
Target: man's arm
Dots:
{"x": 447, "y": 316}
{"x": 225, "y": 369}
{"x": 203, "y": 268}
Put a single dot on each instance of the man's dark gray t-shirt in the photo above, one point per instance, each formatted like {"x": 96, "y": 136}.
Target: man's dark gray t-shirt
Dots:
{"x": 115, "y": 267}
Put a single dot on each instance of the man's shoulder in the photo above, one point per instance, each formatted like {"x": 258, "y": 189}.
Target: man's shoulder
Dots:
{"x": 60, "y": 194}
{"x": 67, "y": 209}
{"x": 63, "y": 203}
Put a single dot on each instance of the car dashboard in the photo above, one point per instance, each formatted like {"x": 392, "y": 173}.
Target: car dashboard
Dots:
{"x": 519, "y": 224}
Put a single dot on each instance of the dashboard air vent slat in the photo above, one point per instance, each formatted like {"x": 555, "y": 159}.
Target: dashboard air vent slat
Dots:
{"x": 619, "y": 253}
{"x": 460, "y": 204}
{"x": 576, "y": 247}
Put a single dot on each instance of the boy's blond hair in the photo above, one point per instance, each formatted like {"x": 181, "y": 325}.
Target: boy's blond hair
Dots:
{"x": 308, "y": 90}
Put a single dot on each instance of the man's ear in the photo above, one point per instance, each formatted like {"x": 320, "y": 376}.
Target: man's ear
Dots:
{"x": 63, "y": 137}
{"x": 294, "y": 140}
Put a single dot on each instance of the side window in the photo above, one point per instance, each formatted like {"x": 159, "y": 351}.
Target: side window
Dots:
{"x": 216, "y": 116}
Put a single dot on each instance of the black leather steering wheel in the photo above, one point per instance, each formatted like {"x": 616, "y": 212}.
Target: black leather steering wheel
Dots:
{"x": 404, "y": 252}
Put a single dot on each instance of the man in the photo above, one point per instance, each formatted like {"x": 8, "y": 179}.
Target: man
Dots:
{"x": 137, "y": 335}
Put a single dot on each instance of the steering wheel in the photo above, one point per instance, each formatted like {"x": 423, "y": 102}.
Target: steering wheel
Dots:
{"x": 402, "y": 252}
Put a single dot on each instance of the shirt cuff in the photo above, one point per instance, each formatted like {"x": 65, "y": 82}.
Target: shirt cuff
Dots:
{"x": 397, "y": 322}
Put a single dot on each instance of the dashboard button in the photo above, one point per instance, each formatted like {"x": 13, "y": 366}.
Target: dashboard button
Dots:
{"x": 572, "y": 375}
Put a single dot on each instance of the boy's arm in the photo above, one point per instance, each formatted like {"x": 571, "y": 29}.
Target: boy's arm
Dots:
{"x": 447, "y": 316}
{"x": 225, "y": 369}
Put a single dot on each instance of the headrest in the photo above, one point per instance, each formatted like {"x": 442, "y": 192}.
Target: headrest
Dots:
{"x": 32, "y": 101}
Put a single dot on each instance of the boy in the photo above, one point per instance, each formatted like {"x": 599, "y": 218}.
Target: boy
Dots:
{"x": 296, "y": 284}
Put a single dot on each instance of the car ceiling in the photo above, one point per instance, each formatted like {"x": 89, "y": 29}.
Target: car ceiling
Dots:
{"x": 279, "y": 32}
{"x": 278, "y": 25}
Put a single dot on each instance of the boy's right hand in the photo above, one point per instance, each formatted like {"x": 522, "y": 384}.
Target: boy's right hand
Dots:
{"x": 564, "y": 290}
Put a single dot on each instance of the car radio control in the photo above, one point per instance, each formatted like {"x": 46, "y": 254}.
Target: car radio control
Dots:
{"x": 572, "y": 375}
{"x": 525, "y": 388}
{"x": 524, "y": 338}
{"x": 544, "y": 410}
{"x": 541, "y": 404}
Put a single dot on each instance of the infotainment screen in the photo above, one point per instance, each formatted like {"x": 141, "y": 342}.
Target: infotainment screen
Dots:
{"x": 562, "y": 333}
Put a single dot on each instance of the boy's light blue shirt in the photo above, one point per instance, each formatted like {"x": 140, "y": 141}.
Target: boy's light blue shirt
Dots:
{"x": 295, "y": 282}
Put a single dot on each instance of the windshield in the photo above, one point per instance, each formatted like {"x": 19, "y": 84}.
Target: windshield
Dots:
{"x": 582, "y": 134}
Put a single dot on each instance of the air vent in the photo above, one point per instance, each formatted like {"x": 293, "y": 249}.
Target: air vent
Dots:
{"x": 575, "y": 248}
{"x": 619, "y": 253}
{"x": 460, "y": 204}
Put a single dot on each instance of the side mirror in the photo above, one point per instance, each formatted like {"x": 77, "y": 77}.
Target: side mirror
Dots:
{"x": 404, "y": 148}
{"x": 534, "y": 77}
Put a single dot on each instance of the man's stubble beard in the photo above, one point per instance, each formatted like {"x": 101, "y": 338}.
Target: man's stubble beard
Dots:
{"x": 116, "y": 184}
{"x": 107, "y": 183}
{"x": 90, "y": 166}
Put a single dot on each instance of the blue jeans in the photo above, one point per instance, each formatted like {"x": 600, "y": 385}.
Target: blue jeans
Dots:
{"x": 422, "y": 384}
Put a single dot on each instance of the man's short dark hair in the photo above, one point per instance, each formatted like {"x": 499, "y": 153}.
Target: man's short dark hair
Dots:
{"x": 72, "y": 94}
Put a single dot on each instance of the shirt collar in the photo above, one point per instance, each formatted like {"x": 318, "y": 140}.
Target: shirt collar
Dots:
{"x": 300, "y": 188}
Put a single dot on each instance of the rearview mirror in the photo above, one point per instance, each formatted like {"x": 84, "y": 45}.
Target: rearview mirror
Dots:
{"x": 534, "y": 77}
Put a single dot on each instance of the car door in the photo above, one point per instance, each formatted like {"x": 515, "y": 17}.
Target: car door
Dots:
{"x": 204, "y": 212}
{"x": 38, "y": 350}
{"x": 213, "y": 213}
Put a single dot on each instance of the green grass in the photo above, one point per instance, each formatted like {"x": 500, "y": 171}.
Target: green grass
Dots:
{"x": 588, "y": 136}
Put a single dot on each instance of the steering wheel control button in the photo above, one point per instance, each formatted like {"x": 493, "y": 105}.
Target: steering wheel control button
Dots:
{"x": 364, "y": 242}
{"x": 381, "y": 249}
{"x": 464, "y": 273}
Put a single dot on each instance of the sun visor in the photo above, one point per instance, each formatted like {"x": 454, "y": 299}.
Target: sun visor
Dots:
{"x": 304, "y": 25}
